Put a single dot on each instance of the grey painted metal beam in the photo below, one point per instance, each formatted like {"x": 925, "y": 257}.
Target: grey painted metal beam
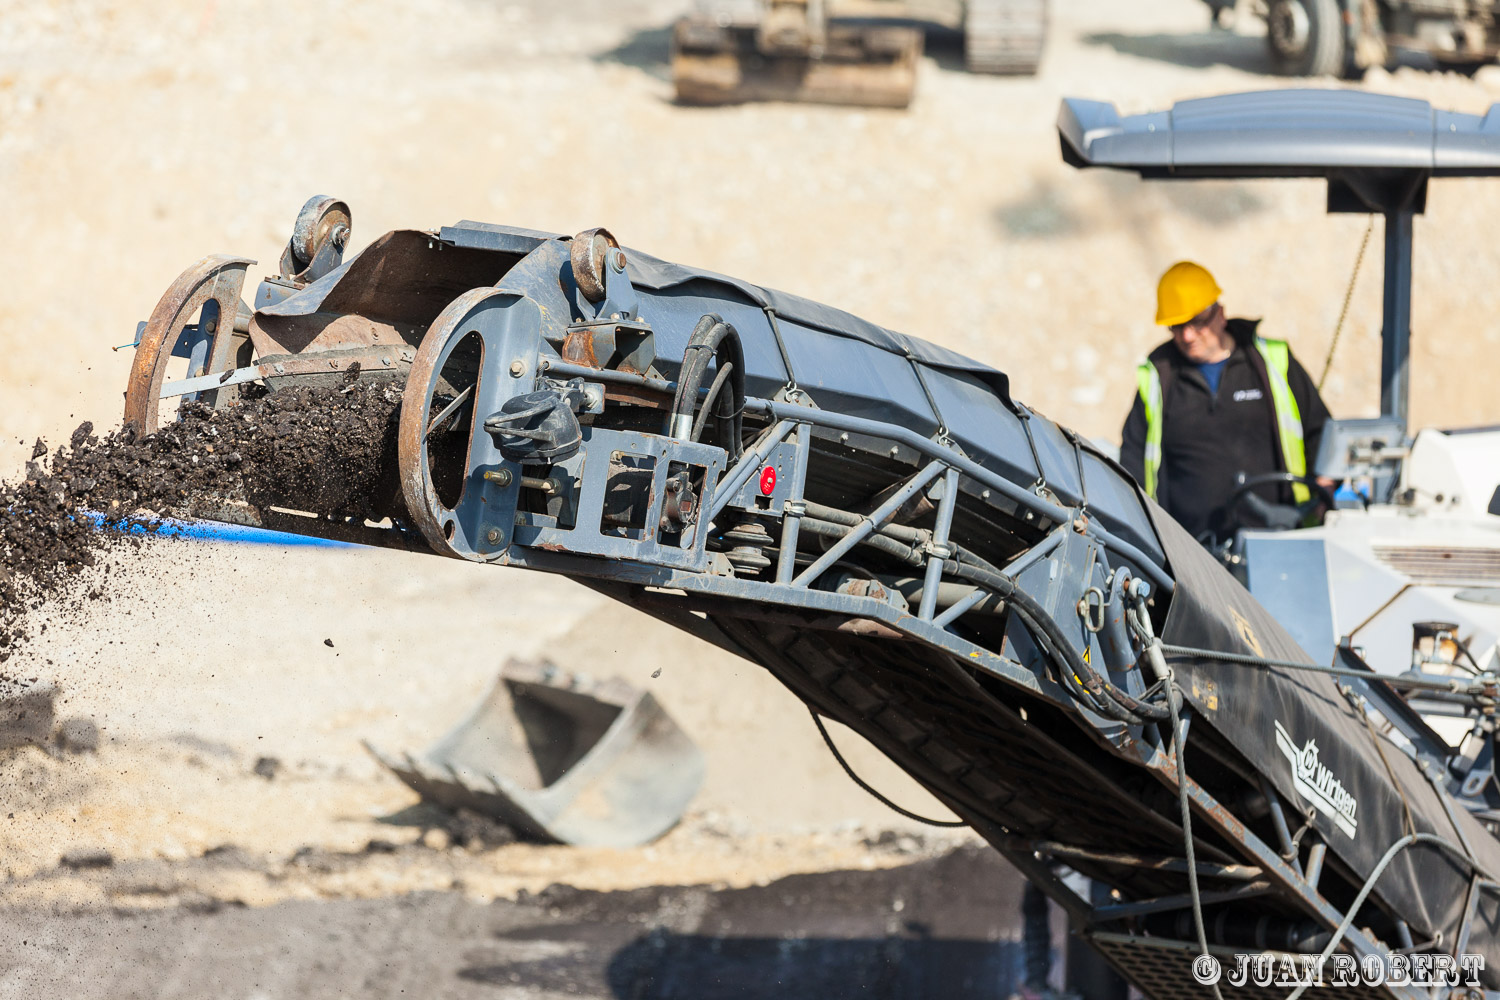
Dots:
{"x": 791, "y": 525}
{"x": 878, "y": 517}
{"x": 1311, "y": 132}
{"x": 745, "y": 468}
{"x": 940, "y": 549}
{"x": 1395, "y": 333}
{"x": 932, "y": 449}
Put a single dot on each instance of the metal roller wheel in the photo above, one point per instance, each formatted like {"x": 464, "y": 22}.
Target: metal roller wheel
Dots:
{"x": 1305, "y": 37}
{"x": 1005, "y": 37}
{"x": 197, "y": 318}
{"x": 318, "y": 238}
{"x": 590, "y": 252}
{"x": 464, "y": 365}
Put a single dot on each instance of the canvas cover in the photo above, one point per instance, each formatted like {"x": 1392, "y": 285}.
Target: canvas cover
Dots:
{"x": 1296, "y": 728}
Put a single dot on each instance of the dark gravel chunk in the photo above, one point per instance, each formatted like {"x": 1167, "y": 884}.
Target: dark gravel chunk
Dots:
{"x": 327, "y": 450}
{"x": 86, "y": 857}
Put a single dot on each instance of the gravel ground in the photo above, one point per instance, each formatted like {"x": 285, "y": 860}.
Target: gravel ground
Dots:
{"x": 942, "y": 927}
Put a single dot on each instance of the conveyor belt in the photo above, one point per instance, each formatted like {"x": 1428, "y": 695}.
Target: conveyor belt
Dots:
{"x": 877, "y": 523}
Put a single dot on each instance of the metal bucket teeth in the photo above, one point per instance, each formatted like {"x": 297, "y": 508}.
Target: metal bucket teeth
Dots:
{"x": 563, "y": 759}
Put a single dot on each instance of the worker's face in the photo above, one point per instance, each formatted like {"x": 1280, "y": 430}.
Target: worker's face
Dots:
{"x": 1204, "y": 339}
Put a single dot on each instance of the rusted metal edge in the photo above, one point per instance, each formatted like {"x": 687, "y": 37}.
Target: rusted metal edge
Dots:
{"x": 372, "y": 361}
{"x": 417, "y": 488}
{"x": 1227, "y": 825}
{"x": 217, "y": 277}
{"x": 1240, "y": 873}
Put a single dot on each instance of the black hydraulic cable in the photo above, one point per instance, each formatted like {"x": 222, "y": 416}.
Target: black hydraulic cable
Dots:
{"x": 907, "y": 553}
{"x": 818, "y": 721}
{"x": 1174, "y": 702}
{"x": 853, "y": 520}
{"x": 1066, "y": 674}
{"x": 1036, "y": 617}
{"x": 1071, "y": 678}
{"x": 1081, "y": 681}
{"x": 1455, "y": 685}
{"x": 713, "y": 339}
{"x": 1463, "y": 647}
{"x": 902, "y": 533}
{"x": 1364, "y": 892}
{"x": 711, "y": 402}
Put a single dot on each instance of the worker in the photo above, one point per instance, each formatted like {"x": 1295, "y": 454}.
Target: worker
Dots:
{"x": 1215, "y": 401}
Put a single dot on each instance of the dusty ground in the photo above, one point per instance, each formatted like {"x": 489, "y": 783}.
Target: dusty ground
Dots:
{"x": 136, "y": 137}
{"x": 931, "y": 929}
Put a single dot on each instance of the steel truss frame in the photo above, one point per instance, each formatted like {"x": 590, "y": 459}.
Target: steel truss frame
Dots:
{"x": 699, "y": 601}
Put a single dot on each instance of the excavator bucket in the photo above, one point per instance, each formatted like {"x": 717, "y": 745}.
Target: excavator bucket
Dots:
{"x": 730, "y": 53}
{"x": 562, "y": 759}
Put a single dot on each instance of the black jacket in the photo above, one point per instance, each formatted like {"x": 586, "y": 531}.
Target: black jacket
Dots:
{"x": 1207, "y": 439}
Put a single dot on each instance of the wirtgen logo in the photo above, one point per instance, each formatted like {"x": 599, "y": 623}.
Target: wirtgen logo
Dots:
{"x": 1316, "y": 784}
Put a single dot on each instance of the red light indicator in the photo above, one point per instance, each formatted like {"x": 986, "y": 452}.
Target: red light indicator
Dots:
{"x": 768, "y": 480}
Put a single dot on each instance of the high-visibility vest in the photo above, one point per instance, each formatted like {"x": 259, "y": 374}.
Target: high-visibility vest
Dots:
{"x": 1283, "y": 403}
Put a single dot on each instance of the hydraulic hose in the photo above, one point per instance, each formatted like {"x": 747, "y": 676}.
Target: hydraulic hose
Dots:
{"x": 1107, "y": 699}
{"x": 1081, "y": 680}
{"x": 880, "y": 542}
{"x": 850, "y": 519}
{"x": 712, "y": 340}
{"x": 1374, "y": 876}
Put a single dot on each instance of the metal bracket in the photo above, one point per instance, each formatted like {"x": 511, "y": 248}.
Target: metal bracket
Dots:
{"x": 591, "y": 468}
{"x": 620, "y": 300}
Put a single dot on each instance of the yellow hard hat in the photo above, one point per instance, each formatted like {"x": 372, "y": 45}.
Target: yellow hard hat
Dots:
{"x": 1183, "y": 292}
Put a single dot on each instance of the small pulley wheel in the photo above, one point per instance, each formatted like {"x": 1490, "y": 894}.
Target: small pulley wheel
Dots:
{"x": 319, "y": 236}
{"x": 591, "y": 252}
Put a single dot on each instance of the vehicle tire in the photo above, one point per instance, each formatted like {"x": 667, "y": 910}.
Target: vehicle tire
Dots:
{"x": 1305, "y": 37}
{"x": 1004, "y": 36}
{"x": 1467, "y": 67}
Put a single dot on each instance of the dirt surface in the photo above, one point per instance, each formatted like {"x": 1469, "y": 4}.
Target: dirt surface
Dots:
{"x": 226, "y": 764}
{"x": 943, "y": 927}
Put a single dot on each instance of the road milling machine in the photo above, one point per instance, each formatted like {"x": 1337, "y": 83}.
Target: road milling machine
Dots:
{"x": 875, "y": 520}
{"x": 842, "y": 51}
{"x": 1408, "y": 567}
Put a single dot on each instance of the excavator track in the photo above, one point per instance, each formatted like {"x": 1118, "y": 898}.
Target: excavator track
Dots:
{"x": 853, "y": 65}
{"x": 1005, "y": 37}
{"x": 860, "y": 52}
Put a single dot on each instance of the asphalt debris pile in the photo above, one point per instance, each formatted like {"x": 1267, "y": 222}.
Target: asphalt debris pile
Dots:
{"x": 328, "y": 450}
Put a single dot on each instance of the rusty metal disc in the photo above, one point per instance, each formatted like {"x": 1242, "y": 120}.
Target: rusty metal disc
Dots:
{"x": 590, "y": 257}
{"x": 414, "y": 460}
{"x": 207, "y": 292}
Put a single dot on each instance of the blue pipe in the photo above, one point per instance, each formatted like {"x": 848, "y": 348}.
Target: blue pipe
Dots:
{"x": 212, "y": 531}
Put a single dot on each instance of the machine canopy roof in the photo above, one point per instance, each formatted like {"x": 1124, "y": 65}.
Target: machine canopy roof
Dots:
{"x": 1284, "y": 133}
{"x": 1377, "y": 153}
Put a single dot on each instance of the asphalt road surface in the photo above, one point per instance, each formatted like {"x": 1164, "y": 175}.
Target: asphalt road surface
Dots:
{"x": 946, "y": 927}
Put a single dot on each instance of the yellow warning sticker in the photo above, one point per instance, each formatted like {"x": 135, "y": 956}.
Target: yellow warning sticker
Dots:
{"x": 1242, "y": 625}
